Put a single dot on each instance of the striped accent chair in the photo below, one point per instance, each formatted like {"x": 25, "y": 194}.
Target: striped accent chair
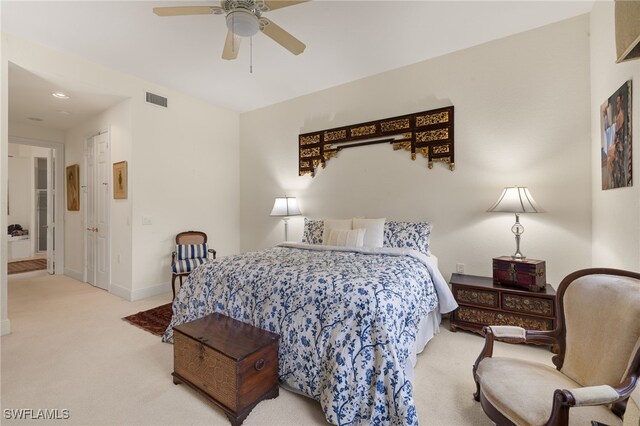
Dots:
{"x": 191, "y": 252}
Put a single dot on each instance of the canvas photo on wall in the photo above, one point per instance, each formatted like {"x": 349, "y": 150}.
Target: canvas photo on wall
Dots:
{"x": 73, "y": 188}
{"x": 120, "y": 180}
{"x": 615, "y": 129}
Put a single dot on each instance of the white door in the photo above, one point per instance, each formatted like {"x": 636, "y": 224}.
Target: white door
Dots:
{"x": 103, "y": 264}
{"x": 97, "y": 261}
{"x": 51, "y": 220}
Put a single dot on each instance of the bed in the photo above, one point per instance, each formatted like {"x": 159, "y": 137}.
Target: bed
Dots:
{"x": 351, "y": 320}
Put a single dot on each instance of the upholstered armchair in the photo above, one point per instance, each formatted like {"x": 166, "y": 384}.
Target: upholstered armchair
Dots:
{"x": 191, "y": 252}
{"x": 597, "y": 364}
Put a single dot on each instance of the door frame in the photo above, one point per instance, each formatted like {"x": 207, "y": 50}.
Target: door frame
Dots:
{"x": 58, "y": 147}
{"x": 83, "y": 202}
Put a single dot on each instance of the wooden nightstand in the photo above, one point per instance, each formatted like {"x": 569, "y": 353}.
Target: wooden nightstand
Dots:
{"x": 484, "y": 303}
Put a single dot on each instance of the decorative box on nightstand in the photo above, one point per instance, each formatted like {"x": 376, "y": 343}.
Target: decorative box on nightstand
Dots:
{"x": 528, "y": 274}
{"x": 481, "y": 303}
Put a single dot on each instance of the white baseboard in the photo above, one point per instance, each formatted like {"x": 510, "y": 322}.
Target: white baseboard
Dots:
{"x": 72, "y": 273}
{"x": 139, "y": 294}
{"x": 120, "y": 291}
{"x": 143, "y": 293}
{"x": 5, "y": 327}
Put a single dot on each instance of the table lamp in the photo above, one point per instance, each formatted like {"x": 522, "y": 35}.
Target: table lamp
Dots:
{"x": 516, "y": 199}
{"x": 285, "y": 207}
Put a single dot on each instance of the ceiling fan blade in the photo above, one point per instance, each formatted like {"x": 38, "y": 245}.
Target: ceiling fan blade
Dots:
{"x": 281, "y": 37}
{"x": 187, "y": 10}
{"x": 268, "y": 5}
{"x": 231, "y": 46}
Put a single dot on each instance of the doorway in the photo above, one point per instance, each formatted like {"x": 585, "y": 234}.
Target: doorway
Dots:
{"x": 33, "y": 205}
{"x": 97, "y": 262}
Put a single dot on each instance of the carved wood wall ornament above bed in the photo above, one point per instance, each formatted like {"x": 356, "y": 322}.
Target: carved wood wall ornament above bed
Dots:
{"x": 429, "y": 133}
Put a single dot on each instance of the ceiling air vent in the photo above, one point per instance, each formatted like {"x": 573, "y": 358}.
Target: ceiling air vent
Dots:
{"x": 152, "y": 98}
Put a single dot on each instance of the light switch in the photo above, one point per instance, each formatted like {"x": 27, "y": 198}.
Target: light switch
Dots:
{"x": 147, "y": 220}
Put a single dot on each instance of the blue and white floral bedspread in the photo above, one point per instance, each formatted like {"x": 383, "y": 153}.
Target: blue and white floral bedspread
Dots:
{"x": 347, "y": 321}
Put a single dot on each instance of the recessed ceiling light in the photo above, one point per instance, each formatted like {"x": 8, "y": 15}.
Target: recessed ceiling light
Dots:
{"x": 34, "y": 119}
{"x": 63, "y": 112}
{"x": 60, "y": 95}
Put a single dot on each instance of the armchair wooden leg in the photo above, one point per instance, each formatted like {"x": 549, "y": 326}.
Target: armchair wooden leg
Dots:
{"x": 173, "y": 285}
{"x": 487, "y": 351}
{"x": 620, "y": 407}
{"x": 560, "y": 409}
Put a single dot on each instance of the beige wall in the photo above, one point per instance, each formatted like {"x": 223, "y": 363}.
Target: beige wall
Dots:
{"x": 616, "y": 212}
{"x": 21, "y": 191}
{"x": 186, "y": 178}
{"x": 117, "y": 120}
{"x": 521, "y": 118}
{"x": 37, "y": 133}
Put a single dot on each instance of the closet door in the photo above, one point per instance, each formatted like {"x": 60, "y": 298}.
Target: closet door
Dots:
{"x": 97, "y": 235}
{"x": 101, "y": 220}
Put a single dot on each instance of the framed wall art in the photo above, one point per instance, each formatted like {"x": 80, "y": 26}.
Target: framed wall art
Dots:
{"x": 615, "y": 130}
{"x": 120, "y": 180}
{"x": 426, "y": 133}
{"x": 73, "y": 187}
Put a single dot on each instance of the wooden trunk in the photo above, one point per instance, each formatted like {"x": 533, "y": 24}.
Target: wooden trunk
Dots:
{"x": 231, "y": 363}
{"x": 529, "y": 274}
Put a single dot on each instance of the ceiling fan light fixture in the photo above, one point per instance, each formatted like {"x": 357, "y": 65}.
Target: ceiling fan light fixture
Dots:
{"x": 242, "y": 23}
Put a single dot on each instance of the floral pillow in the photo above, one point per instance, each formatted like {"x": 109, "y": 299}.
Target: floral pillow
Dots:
{"x": 413, "y": 235}
{"x": 313, "y": 230}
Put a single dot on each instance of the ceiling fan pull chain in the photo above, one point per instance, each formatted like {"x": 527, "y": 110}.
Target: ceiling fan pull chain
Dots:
{"x": 251, "y": 55}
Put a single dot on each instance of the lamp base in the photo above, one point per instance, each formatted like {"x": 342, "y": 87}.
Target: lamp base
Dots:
{"x": 518, "y": 256}
{"x": 518, "y": 230}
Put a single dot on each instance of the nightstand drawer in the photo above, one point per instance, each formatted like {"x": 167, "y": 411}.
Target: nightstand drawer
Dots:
{"x": 488, "y": 317}
{"x": 475, "y": 296}
{"x": 527, "y": 304}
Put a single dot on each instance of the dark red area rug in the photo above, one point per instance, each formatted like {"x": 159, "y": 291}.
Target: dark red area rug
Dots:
{"x": 154, "y": 320}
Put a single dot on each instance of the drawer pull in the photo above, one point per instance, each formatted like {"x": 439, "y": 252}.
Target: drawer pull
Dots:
{"x": 259, "y": 365}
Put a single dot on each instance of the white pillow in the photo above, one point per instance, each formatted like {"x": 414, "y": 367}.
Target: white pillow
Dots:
{"x": 374, "y": 236}
{"x": 346, "y": 238}
{"x": 330, "y": 224}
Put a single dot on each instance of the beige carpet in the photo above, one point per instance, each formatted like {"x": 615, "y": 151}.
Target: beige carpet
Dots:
{"x": 69, "y": 349}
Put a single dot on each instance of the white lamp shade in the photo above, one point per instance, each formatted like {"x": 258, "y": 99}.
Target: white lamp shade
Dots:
{"x": 516, "y": 199}
{"x": 285, "y": 206}
{"x": 242, "y": 23}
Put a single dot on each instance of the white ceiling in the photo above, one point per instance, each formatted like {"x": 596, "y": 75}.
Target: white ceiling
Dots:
{"x": 30, "y": 100}
{"x": 346, "y": 41}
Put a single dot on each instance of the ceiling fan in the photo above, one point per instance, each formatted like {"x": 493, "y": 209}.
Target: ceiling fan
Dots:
{"x": 244, "y": 19}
